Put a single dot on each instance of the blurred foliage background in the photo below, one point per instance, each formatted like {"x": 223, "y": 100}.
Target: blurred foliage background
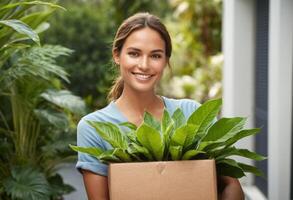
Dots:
{"x": 88, "y": 28}
{"x": 56, "y": 66}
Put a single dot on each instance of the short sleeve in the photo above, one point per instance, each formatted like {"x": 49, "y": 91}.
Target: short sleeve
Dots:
{"x": 87, "y": 137}
{"x": 188, "y": 106}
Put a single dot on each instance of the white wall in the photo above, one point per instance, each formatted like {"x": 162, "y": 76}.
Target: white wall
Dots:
{"x": 280, "y": 97}
{"x": 239, "y": 63}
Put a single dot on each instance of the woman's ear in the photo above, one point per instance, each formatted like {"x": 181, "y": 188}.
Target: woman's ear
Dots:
{"x": 116, "y": 57}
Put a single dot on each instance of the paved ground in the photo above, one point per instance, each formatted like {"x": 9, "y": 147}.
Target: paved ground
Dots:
{"x": 73, "y": 177}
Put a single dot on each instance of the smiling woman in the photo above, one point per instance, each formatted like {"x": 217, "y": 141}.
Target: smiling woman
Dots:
{"x": 141, "y": 50}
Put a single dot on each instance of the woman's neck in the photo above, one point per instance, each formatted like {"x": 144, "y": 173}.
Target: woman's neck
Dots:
{"x": 133, "y": 105}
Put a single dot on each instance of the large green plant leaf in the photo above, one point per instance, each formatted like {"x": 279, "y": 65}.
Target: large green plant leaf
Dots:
{"x": 151, "y": 139}
{"x": 111, "y": 133}
{"x": 93, "y": 151}
{"x": 51, "y": 117}
{"x": 229, "y": 167}
{"x": 241, "y": 134}
{"x": 184, "y": 135}
{"x": 224, "y": 129}
{"x": 151, "y": 121}
{"x": 178, "y": 118}
{"x": 232, "y": 151}
{"x": 21, "y": 28}
{"x": 59, "y": 188}
{"x": 129, "y": 125}
{"x": 65, "y": 99}
{"x": 205, "y": 115}
{"x": 122, "y": 154}
{"x": 176, "y": 152}
{"x": 28, "y": 184}
{"x": 251, "y": 169}
{"x": 136, "y": 150}
{"x": 188, "y": 155}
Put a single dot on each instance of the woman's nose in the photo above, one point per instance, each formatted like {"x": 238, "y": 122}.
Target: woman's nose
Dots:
{"x": 143, "y": 65}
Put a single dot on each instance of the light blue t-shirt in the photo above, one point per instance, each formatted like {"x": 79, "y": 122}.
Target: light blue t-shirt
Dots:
{"x": 88, "y": 137}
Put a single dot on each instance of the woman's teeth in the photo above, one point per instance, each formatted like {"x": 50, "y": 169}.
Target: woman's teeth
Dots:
{"x": 142, "y": 76}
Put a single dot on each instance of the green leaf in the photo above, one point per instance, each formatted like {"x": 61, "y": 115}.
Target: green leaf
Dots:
{"x": 205, "y": 115}
{"x": 21, "y": 28}
{"x": 166, "y": 121}
{"x": 224, "y": 129}
{"x": 108, "y": 157}
{"x": 242, "y": 134}
{"x": 51, "y": 117}
{"x": 178, "y": 118}
{"x": 232, "y": 151}
{"x": 151, "y": 139}
{"x": 184, "y": 135}
{"x": 251, "y": 169}
{"x": 122, "y": 155}
{"x": 188, "y": 155}
{"x": 229, "y": 167}
{"x": 13, "y": 5}
{"x": 93, "y": 151}
{"x": 27, "y": 183}
{"x": 151, "y": 121}
{"x": 135, "y": 149}
{"x": 111, "y": 133}
{"x": 129, "y": 125}
{"x": 65, "y": 99}
{"x": 176, "y": 152}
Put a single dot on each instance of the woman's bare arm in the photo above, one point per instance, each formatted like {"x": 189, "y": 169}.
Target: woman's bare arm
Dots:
{"x": 230, "y": 189}
{"x": 96, "y": 186}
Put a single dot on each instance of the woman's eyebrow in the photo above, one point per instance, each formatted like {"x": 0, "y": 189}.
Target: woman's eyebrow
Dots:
{"x": 153, "y": 51}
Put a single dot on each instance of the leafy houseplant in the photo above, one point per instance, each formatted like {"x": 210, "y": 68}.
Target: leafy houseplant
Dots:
{"x": 36, "y": 113}
{"x": 177, "y": 138}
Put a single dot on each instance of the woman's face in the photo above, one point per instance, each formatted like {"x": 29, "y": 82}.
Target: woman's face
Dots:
{"x": 142, "y": 60}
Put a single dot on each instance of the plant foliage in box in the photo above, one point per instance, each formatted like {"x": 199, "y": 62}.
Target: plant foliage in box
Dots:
{"x": 177, "y": 138}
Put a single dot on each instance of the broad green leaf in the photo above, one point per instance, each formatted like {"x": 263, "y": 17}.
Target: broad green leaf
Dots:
{"x": 108, "y": 157}
{"x": 242, "y": 134}
{"x": 251, "y": 169}
{"x": 224, "y": 129}
{"x": 134, "y": 149}
{"x": 93, "y": 151}
{"x": 151, "y": 139}
{"x": 188, "y": 155}
{"x": 65, "y": 99}
{"x": 184, "y": 135}
{"x": 14, "y": 5}
{"x": 232, "y": 151}
{"x": 151, "y": 121}
{"x": 131, "y": 136}
{"x": 27, "y": 183}
{"x": 51, "y": 117}
{"x": 176, "y": 152}
{"x": 229, "y": 167}
{"x": 21, "y": 28}
{"x": 166, "y": 121}
{"x": 205, "y": 115}
{"x": 122, "y": 155}
{"x": 178, "y": 118}
{"x": 111, "y": 133}
{"x": 129, "y": 125}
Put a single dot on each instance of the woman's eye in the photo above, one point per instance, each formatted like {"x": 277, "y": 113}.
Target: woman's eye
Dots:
{"x": 133, "y": 54}
{"x": 156, "y": 56}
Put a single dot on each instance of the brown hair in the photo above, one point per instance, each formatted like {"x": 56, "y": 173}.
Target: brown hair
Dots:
{"x": 136, "y": 22}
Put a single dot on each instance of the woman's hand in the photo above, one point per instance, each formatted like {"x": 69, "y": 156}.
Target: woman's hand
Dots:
{"x": 229, "y": 189}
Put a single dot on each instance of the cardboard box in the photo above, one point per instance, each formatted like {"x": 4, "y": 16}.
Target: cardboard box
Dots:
{"x": 170, "y": 180}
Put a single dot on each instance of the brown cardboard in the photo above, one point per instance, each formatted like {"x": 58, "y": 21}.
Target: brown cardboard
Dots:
{"x": 170, "y": 180}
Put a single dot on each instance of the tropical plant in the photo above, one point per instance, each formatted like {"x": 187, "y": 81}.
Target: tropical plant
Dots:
{"x": 36, "y": 113}
{"x": 177, "y": 138}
